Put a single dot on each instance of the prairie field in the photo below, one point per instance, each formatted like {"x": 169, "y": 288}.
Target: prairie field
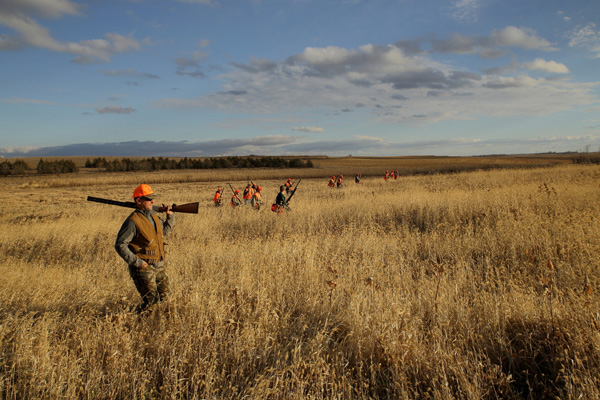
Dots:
{"x": 470, "y": 285}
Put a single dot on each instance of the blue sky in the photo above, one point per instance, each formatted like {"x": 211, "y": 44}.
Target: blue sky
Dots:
{"x": 317, "y": 77}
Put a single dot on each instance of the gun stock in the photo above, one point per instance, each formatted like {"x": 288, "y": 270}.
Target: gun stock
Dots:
{"x": 189, "y": 208}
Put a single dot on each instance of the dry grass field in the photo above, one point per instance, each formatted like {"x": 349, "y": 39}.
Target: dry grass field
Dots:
{"x": 474, "y": 285}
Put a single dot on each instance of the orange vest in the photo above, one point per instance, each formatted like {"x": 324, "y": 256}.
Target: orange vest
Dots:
{"x": 256, "y": 199}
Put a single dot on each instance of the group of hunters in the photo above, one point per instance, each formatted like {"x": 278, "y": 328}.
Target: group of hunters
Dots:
{"x": 140, "y": 241}
{"x": 390, "y": 174}
{"x": 252, "y": 196}
{"x": 337, "y": 182}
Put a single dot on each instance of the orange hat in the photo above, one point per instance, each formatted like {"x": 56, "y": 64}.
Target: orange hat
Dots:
{"x": 144, "y": 190}
{"x": 237, "y": 190}
{"x": 219, "y": 189}
{"x": 259, "y": 188}
{"x": 341, "y": 176}
{"x": 289, "y": 179}
{"x": 332, "y": 176}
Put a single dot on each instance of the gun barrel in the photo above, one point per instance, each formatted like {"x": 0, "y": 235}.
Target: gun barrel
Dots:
{"x": 128, "y": 204}
{"x": 189, "y": 208}
{"x": 294, "y": 191}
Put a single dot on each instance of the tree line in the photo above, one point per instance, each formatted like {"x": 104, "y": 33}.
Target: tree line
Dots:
{"x": 162, "y": 163}
{"x": 17, "y": 168}
{"x": 20, "y": 167}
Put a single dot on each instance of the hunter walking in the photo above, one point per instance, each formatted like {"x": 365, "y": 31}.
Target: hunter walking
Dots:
{"x": 140, "y": 242}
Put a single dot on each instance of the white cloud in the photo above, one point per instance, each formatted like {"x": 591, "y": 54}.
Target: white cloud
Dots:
{"x": 547, "y": 66}
{"x": 465, "y": 10}
{"x": 311, "y": 129}
{"x": 562, "y": 15}
{"x": 19, "y": 150}
{"x": 15, "y": 14}
{"x": 520, "y": 37}
{"x": 494, "y": 45}
{"x": 371, "y": 138}
{"x": 43, "y": 8}
{"x": 504, "y": 82}
{"x": 189, "y": 64}
{"x": 123, "y": 44}
{"x": 325, "y": 80}
{"x": 587, "y": 37}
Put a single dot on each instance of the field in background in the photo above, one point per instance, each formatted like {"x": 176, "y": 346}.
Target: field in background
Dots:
{"x": 324, "y": 168}
{"x": 470, "y": 285}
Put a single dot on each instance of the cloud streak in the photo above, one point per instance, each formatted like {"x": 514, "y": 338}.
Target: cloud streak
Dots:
{"x": 18, "y": 16}
{"x": 310, "y": 129}
{"x": 129, "y": 73}
{"x": 114, "y": 110}
{"x": 494, "y": 45}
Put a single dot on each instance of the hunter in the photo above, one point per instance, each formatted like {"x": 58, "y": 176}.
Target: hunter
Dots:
{"x": 280, "y": 204}
{"x": 248, "y": 193}
{"x": 140, "y": 242}
{"x": 218, "y": 197}
{"x": 288, "y": 185}
{"x": 235, "y": 200}
{"x": 256, "y": 202}
{"x": 331, "y": 183}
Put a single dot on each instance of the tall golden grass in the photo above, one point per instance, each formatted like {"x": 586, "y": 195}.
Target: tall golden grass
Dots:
{"x": 472, "y": 285}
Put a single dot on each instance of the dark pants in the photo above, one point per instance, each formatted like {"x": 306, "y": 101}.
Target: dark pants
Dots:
{"x": 152, "y": 284}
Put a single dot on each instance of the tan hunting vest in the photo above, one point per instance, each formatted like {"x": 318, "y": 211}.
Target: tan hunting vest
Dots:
{"x": 148, "y": 244}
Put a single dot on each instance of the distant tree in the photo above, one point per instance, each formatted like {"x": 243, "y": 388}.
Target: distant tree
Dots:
{"x": 5, "y": 168}
{"x": 19, "y": 167}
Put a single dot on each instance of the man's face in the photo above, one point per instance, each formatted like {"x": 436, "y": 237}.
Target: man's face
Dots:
{"x": 144, "y": 203}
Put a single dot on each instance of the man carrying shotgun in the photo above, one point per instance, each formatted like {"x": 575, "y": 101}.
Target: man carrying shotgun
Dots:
{"x": 140, "y": 243}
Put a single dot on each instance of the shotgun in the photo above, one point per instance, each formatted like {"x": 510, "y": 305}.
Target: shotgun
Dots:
{"x": 231, "y": 187}
{"x": 189, "y": 208}
{"x": 294, "y": 191}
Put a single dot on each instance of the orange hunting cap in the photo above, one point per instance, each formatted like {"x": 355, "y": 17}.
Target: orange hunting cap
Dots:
{"x": 237, "y": 190}
{"x": 144, "y": 190}
{"x": 259, "y": 188}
